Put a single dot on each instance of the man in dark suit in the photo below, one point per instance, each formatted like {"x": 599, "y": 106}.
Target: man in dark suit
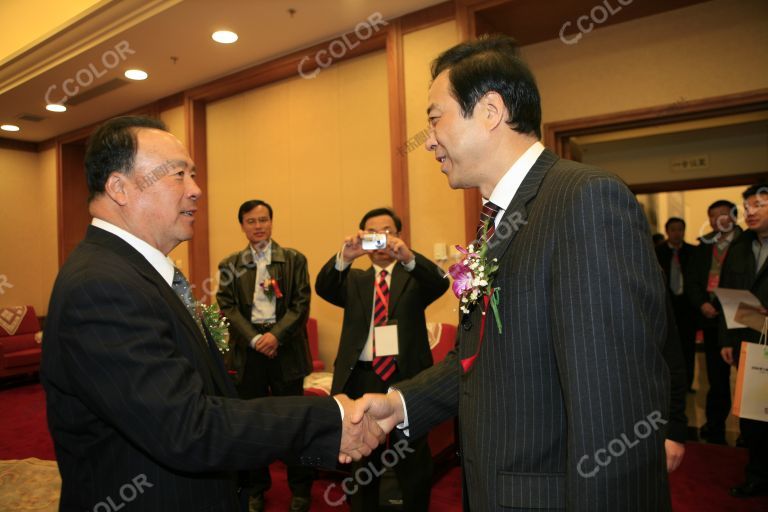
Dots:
{"x": 746, "y": 268}
{"x": 674, "y": 256}
{"x": 142, "y": 414}
{"x": 702, "y": 277}
{"x": 393, "y": 291}
{"x": 264, "y": 292}
{"x": 564, "y": 404}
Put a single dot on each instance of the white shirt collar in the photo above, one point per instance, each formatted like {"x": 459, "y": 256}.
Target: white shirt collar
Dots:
{"x": 389, "y": 268}
{"x": 266, "y": 252}
{"x": 157, "y": 259}
{"x": 507, "y": 186}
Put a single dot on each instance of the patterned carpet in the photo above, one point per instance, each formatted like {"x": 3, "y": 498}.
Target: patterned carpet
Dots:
{"x": 29, "y": 484}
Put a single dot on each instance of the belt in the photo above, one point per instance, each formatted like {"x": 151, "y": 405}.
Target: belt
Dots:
{"x": 263, "y": 328}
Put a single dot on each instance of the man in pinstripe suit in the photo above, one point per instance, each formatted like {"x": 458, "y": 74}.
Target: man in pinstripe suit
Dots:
{"x": 142, "y": 414}
{"x": 565, "y": 406}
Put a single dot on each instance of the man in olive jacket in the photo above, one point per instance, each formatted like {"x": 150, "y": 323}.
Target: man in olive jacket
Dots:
{"x": 264, "y": 292}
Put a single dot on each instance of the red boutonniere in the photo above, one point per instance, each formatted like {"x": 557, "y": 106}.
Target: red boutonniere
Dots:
{"x": 271, "y": 288}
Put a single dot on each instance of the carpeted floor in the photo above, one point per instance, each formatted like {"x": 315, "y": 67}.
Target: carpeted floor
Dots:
{"x": 700, "y": 485}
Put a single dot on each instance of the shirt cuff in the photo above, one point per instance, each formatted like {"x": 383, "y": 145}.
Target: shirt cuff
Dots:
{"x": 410, "y": 265}
{"x": 255, "y": 340}
{"x": 341, "y": 407}
{"x": 404, "y": 425}
{"x": 341, "y": 265}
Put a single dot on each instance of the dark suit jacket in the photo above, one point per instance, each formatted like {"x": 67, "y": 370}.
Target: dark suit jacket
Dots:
{"x": 697, "y": 274}
{"x": 410, "y": 293}
{"x": 664, "y": 255}
{"x": 134, "y": 391}
{"x": 237, "y": 280}
{"x": 740, "y": 271}
{"x": 578, "y": 363}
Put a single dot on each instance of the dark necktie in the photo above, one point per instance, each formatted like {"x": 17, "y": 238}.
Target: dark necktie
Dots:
{"x": 384, "y": 366}
{"x": 487, "y": 222}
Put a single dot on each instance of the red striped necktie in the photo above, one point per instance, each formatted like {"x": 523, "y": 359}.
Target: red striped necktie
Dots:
{"x": 487, "y": 222}
{"x": 384, "y": 366}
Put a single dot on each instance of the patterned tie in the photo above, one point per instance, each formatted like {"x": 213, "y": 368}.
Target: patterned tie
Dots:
{"x": 180, "y": 285}
{"x": 384, "y": 366}
{"x": 487, "y": 218}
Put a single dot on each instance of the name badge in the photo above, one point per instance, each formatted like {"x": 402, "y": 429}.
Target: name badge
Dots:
{"x": 385, "y": 338}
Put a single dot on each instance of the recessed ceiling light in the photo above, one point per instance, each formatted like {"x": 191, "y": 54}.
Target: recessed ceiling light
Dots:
{"x": 136, "y": 74}
{"x": 55, "y": 108}
{"x": 10, "y": 128}
{"x": 224, "y": 36}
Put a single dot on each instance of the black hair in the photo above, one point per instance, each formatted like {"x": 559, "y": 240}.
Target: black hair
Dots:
{"x": 492, "y": 63}
{"x": 376, "y": 212}
{"x": 250, "y": 205}
{"x": 672, "y": 220}
{"x": 758, "y": 188}
{"x": 112, "y": 147}
{"x": 722, "y": 202}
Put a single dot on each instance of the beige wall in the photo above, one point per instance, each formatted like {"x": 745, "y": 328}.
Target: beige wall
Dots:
{"x": 28, "y": 228}
{"x": 317, "y": 150}
{"x": 437, "y": 211}
{"x": 709, "y": 49}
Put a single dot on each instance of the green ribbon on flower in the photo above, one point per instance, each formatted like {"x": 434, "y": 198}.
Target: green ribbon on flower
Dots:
{"x": 495, "y": 308}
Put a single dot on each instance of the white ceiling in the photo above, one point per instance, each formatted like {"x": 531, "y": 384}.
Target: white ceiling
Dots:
{"x": 151, "y": 34}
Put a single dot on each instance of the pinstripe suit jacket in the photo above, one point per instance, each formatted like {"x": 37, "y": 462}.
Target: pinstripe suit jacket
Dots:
{"x": 138, "y": 402}
{"x": 549, "y": 412}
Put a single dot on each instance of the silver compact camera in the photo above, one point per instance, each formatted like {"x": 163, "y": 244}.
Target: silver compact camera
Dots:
{"x": 374, "y": 241}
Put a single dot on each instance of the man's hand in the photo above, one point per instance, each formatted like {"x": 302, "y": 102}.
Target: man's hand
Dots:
{"x": 399, "y": 249}
{"x": 708, "y": 310}
{"x": 360, "y": 435}
{"x": 387, "y": 409}
{"x": 727, "y": 355}
{"x": 675, "y": 452}
{"x": 267, "y": 345}
{"x": 353, "y": 247}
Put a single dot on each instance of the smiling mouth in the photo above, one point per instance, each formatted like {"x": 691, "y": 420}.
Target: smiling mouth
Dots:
{"x": 188, "y": 213}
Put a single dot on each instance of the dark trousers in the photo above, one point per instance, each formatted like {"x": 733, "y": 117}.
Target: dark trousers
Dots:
{"x": 719, "y": 376}
{"x": 262, "y": 377}
{"x": 685, "y": 318}
{"x": 755, "y": 435}
{"x": 410, "y": 459}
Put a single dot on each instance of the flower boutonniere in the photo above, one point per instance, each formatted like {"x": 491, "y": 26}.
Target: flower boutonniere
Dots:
{"x": 216, "y": 323}
{"x": 271, "y": 288}
{"x": 473, "y": 280}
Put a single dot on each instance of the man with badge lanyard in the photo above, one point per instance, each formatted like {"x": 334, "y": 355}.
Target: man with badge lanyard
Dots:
{"x": 383, "y": 338}
{"x": 703, "y": 277}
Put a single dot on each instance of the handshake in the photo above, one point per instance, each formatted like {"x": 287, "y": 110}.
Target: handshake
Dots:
{"x": 367, "y": 421}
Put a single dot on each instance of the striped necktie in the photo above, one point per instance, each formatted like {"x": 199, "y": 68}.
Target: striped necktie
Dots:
{"x": 487, "y": 224}
{"x": 384, "y": 366}
{"x": 181, "y": 286}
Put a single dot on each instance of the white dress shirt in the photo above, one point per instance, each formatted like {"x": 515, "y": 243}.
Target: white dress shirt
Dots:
{"x": 509, "y": 184}
{"x": 157, "y": 259}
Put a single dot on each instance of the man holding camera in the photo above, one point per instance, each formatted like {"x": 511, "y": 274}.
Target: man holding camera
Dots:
{"x": 384, "y": 335}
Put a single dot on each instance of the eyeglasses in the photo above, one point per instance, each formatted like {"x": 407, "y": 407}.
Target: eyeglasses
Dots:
{"x": 382, "y": 232}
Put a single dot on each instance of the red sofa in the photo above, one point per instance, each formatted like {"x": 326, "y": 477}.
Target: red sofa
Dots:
{"x": 20, "y": 341}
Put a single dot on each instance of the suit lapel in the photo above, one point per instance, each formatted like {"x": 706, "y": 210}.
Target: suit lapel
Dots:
{"x": 365, "y": 294}
{"x": 198, "y": 341}
{"x": 400, "y": 277}
{"x": 516, "y": 213}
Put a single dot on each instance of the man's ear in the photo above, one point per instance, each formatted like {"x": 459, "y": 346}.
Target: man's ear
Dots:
{"x": 493, "y": 110}
{"x": 116, "y": 188}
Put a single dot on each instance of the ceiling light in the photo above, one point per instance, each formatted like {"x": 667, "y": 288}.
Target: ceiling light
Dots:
{"x": 9, "y": 128}
{"x": 136, "y": 74}
{"x": 224, "y": 36}
{"x": 53, "y": 107}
